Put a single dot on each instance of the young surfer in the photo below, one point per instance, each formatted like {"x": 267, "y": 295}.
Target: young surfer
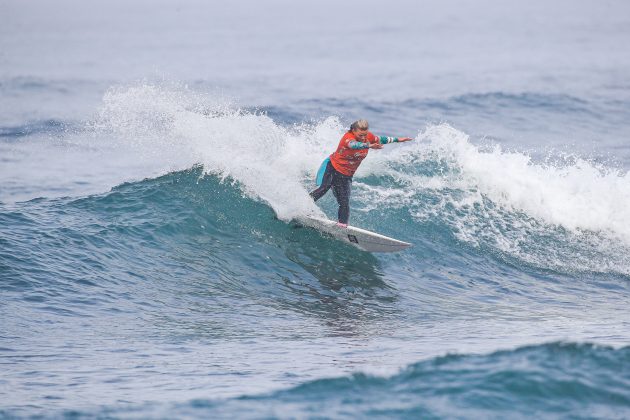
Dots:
{"x": 337, "y": 170}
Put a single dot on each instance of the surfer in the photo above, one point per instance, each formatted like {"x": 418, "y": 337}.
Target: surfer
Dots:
{"x": 337, "y": 170}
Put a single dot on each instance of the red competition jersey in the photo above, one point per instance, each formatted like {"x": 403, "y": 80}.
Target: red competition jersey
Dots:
{"x": 346, "y": 160}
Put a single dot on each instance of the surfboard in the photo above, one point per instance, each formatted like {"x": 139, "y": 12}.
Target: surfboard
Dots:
{"x": 361, "y": 238}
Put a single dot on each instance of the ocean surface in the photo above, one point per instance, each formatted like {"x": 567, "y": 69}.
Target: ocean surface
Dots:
{"x": 155, "y": 156}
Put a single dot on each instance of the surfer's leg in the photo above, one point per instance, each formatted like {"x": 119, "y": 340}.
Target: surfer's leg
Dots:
{"x": 326, "y": 183}
{"x": 341, "y": 190}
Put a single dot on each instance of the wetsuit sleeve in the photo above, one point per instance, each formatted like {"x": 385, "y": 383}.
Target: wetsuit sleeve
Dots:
{"x": 353, "y": 144}
{"x": 386, "y": 140}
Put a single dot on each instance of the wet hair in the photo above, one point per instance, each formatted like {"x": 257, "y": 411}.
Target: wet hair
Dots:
{"x": 360, "y": 124}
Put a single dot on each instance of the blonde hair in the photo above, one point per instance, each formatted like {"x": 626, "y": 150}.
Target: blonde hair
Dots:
{"x": 360, "y": 124}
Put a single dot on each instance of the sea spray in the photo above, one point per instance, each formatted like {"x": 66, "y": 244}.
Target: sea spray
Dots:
{"x": 566, "y": 215}
{"x": 183, "y": 128}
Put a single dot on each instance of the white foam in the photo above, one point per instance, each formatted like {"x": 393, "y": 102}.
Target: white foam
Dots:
{"x": 505, "y": 200}
{"x": 180, "y": 128}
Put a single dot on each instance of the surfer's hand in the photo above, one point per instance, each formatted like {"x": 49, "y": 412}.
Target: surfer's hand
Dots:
{"x": 376, "y": 146}
{"x": 404, "y": 139}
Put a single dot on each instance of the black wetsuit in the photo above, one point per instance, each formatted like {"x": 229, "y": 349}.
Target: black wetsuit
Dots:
{"x": 341, "y": 185}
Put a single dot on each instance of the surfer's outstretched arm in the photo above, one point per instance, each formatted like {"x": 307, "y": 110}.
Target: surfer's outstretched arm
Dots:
{"x": 354, "y": 144}
{"x": 387, "y": 140}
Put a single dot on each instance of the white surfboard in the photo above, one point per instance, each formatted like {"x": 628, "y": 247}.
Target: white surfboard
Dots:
{"x": 361, "y": 238}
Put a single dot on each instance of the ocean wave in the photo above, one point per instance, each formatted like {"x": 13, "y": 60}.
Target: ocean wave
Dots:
{"x": 557, "y": 380}
{"x": 565, "y": 213}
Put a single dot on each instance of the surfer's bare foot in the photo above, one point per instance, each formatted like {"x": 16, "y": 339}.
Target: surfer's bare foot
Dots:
{"x": 342, "y": 225}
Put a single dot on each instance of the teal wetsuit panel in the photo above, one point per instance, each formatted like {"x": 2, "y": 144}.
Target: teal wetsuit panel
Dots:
{"x": 320, "y": 172}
